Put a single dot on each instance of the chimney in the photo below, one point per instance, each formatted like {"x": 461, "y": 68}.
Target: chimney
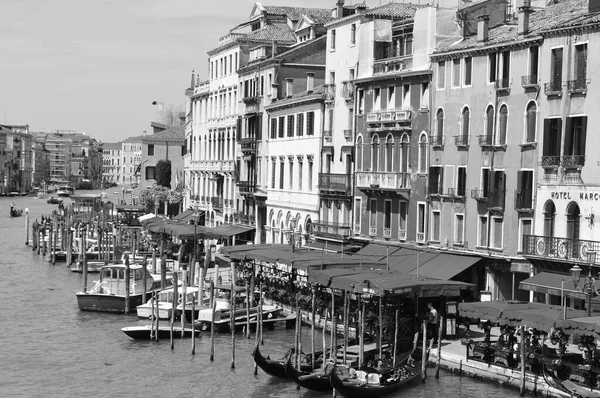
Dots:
{"x": 289, "y": 88}
{"x": 193, "y": 83}
{"x": 310, "y": 82}
{"x": 274, "y": 90}
{"x": 482, "y": 28}
{"x": 360, "y": 8}
{"x": 339, "y": 9}
{"x": 274, "y": 48}
{"x": 524, "y": 12}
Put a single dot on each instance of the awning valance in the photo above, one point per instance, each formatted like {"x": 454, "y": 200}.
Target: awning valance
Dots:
{"x": 554, "y": 284}
{"x": 228, "y": 230}
{"x": 544, "y": 317}
{"x": 131, "y": 208}
{"x": 446, "y": 266}
{"x": 188, "y": 215}
{"x": 491, "y": 310}
{"x": 589, "y": 326}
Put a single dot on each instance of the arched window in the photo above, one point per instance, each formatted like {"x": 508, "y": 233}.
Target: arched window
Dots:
{"x": 489, "y": 122}
{"x": 465, "y": 122}
{"x": 530, "y": 122}
{"x": 375, "y": 153}
{"x": 359, "y": 153}
{"x": 549, "y": 218}
{"x": 502, "y": 125}
{"x": 404, "y": 147}
{"x": 389, "y": 153}
{"x": 573, "y": 216}
{"x": 439, "y": 117}
{"x": 423, "y": 153}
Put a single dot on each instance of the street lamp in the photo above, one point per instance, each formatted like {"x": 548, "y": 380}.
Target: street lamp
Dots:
{"x": 589, "y": 284}
{"x": 292, "y": 233}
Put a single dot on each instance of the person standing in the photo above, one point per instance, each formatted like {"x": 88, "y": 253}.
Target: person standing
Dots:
{"x": 432, "y": 322}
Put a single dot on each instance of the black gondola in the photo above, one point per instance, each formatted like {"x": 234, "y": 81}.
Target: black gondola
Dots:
{"x": 276, "y": 367}
{"x": 16, "y": 212}
{"x": 317, "y": 380}
{"x": 388, "y": 382}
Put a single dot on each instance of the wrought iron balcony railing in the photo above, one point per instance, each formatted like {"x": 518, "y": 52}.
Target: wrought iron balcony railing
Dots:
{"x": 332, "y": 229}
{"x": 335, "y": 184}
{"x": 461, "y": 140}
{"x": 572, "y": 161}
{"x": 485, "y": 140}
{"x": 553, "y": 88}
{"x": 550, "y": 161}
{"x": 529, "y": 81}
{"x": 246, "y": 187}
{"x": 502, "y": 84}
{"x": 457, "y": 192}
{"x": 437, "y": 140}
{"x": 561, "y": 248}
{"x": 577, "y": 86}
{"x": 479, "y": 195}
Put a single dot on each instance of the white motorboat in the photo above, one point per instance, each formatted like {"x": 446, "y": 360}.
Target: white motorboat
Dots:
{"x": 65, "y": 191}
{"x": 164, "y": 302}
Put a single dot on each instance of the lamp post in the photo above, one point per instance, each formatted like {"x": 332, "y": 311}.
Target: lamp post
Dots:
{"x": 588, "y": 282}
{"x": 292, "y": 233}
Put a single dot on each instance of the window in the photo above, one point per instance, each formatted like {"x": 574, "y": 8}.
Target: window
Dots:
{"x": 387, "y": 214}
{"x": 505, "y": 68}
{"x": 291, "y": 175}
{"x": 575, "y": 137}
{"x": 552, "y": 141}
{"x": 310, "y": 123}
{"x": 310, "y": 175}
{"x": 150, "y": 151}
{"x": 441, "y": 75}
{"x": 483, "y": 231}
{"x": 290, "y": 125}
{"x": 273, "y": 128}
{"x": 273, "y": 167}
{"x": 435, "y": 225}
{"x": 492, "y": 67}
{"x": 530, "y": 122}
{"x": 448, "y": 179}
{"x": 150, "y": 170}
{"x": 300, "y": 124}
{"x": 404, "y": 148}
{"x": 402, "y": 219}
{"x": 485, "y": 181}
{"x": 423, "y": 153}
{"x": 281, "y": 126}
{"x": 372, "y": 215}
{"x": 524, "y": 230}
{"x": 406, "y": 96}
{"x": 459, "y": 229}
{"x": 359, "y": 154}
{"x": 333, "y": 39}
{"x": 580, "y": 63}
{"x": 424, "y": 95}
{"x": 281, "y": 173}
{"x": 353, "y": 34}
{"x": 376, "y": 99}
{"x": 556, "y": 68}
{"x": 391, "y": 98}
{"x": 389, "y": 153}
{"x": 461, "y": 181}
{"x": 534, "y": 55}
{"x": 439, "y": 119}
{"x": 435, "y": 181}
{"x": 503, "y": 125}
{"x": 468, "y": 70}
{"x": 465, "y": 122}
{"x": 524, "y": 196}
{"x": 456, "y": 72}
{"x": 421, "y": 221}
{"x": 497, "y": 229}
{"x": 375, "y": 153}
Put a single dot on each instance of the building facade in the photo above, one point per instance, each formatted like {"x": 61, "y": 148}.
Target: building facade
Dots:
{"x": 168, "y": 144}
{"x": 111, "y": 158}
{"x": 131, "y": 156}
{"x": 18, "y": 159}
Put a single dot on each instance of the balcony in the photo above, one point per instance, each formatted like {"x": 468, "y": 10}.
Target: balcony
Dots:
{"x": 332, "y": 229}
{"x": 572, "y": 161}
{"x": 435, "y": 189}
{"x": 246, "y": 187}
{"x": 479, "y": 195}
{"x": 252, "y": 99}
{"x": 496, "y": 201}
{"x": 348, "y": 134}
{"x": 485, "y": 140}
{"x": 392, "y": 65}
{"x": 347, "y": 91}
{"x": 529, "y": 81}
{"x": 387, "y": 233}
{"x": 382, "y": 180}
{"x": 372, "y": 231}
{"x": 524, "y": 200}
{"x": 550, "y": 161}
{"x": 457, "y": 193}
{"x": 328, "y": 136}
{"x": 329, "y": 93}
{"x": 389, "y": 116}
{"x": 335, "y": 184}
{"x": 553, "y": 88}
{"x": 562, "y": 249}
{"x": 502, "y": 84}
{"x": 437, "y": 141}
{"x": 462, "y": 140}
{"x": 248, "y": 145}
{"x": 578, "y": 86}
{"x": 216, "y": 202}
{"x": 402, "y": 234}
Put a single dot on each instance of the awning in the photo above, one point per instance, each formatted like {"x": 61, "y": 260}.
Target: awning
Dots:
{"x": 131, "y": 208}
{"x": 543, "y": 318}
{"x": 446, "y": 266}
{"x": 228, "y": 230}
{"x": 187, "y": 215}
{"x": 550, "y": 283}
{"x": 589, "y": 326}
{"x": 491, "y": 310}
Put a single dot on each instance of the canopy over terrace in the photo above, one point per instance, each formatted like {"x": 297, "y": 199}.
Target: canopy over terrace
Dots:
{"x": 587, "y": 326}
{"x": 491, "y": 310}
{"x": 543, "y": 317}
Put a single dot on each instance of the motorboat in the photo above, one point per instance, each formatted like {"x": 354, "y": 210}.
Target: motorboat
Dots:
{"x": 164, "y": 302}
{"x": 65, "y": 191}
{"x": 109, "y": 292}
{"x": 54, "y": 200}
{"x": 15, "y": 212}
{"x": 143, "y": 332}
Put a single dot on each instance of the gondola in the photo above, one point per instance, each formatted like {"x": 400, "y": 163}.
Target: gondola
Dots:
{"x": 555, "y": 383}
{"x": 16, "y": 212}
{"x": 317, "y": 380}
{"x": 375, "y": 384}
{"x": 276, "y": 367}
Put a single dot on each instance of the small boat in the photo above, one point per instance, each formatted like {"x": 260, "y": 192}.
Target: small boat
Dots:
{"x": 65, "y": 191}
{"x": 164, "y": 302}
{"x": 272, "y": 367}
{"x": 142, "y": 332}
{"x": 16, "y": 212}
{"x": 14, "y": 193}
{"x": 316, "y": 380}
{"x": 108, "y": 293}
{"x": 54, "y": 201}
{"x": 93, "y": 267}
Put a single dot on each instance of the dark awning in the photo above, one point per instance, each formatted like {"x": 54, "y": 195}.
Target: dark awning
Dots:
{"x": 550, "y": 283}
{"x": 187, "y": 215}
{"x": 446, "y": 266}
{"x": 589, "y": 326}
{"x": 543, "y": 317}
{"x": 491, "y": 310}
{"x": 131, "y": 208}
{"x": 228, "y": 230}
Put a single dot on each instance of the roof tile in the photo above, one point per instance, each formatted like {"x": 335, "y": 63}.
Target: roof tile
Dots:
{"x": 174, "y": 133}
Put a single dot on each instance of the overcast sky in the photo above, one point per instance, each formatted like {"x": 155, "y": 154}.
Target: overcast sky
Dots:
{"x": 95, "y": 66}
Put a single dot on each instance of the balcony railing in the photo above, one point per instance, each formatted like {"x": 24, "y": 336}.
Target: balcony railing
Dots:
{"x": 529, "y": 81}
{"x": 577, "y": 86}
{"x": 329, "y": 92}
{"x": 402, "y": 234}
{"x": 550, "y": 161}
{"x": 485, "y": 140}
{"x": 382, "y": 180}
{"x": 560, "y": 248}
{"x": 372, "y": 231}
{"x": 502, "y": 84}
{"x": 420, "y": 237}
{"x": 462, "y": 140}
{"x": 335, "y": 184}
{"x": 216, "y": 202}
{"x": 553, "y": 88}
{"x": 392, "y": 65}
{"x": 332, "y": 229}
{"x": 435, "y": 189}
{"x": 524, "y": 199}
{"x": 436, "y": 140}
{"x": 572, "y": 161}
{"x": 348, "y": 134}
{"x": 246, "y": 187}
{"x": 479, "y": 195}
{"x": 496, "y": 201}
{"x": 347, "y": 91}
{"x": 457, "y": 192}
{"x": 248, "y": 144}
{"x": 252, "y": 99}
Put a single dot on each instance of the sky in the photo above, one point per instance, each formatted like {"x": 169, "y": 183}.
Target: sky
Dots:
{"x": 96, "y": 66}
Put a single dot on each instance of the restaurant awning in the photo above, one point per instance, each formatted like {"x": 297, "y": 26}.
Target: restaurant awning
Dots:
{"x": 543, "y": 317}
{"x": 589, "y": 326}
{"x": 131, "y": 208}
{"x": 491, "y": 310}
{"x": 446, "y": 266}
{"x": 228, "y": 230}
{"x": 187, "y": 215}
{"x": 550, "y": 283}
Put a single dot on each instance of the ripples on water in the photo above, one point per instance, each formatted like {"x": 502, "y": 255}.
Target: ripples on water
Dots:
{"x": 49, "y": 348}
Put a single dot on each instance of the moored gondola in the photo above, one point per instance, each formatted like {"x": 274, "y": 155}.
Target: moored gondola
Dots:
{"x": 369, "y": 383}
{"x": 272, "y": 367}
{"x": 317, "y": 380}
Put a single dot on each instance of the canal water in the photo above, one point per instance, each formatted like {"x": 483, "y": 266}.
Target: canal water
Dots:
{"x": 48, "y": 348}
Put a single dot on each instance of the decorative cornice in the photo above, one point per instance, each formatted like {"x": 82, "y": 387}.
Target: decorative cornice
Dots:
{"x": 523, "y": 43}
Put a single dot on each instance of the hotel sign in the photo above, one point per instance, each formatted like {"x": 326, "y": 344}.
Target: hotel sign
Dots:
{"x": 553, "y": 291}
{"x": 569, "y": 195}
